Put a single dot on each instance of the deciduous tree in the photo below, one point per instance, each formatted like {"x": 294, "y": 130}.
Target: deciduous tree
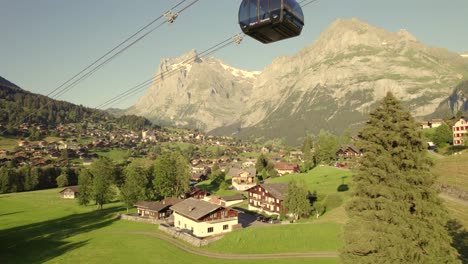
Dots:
{"x": 171, "y": 174}
{"x": 102, "y": 170}
{"x": 85, "y": 183}
{"x": 297, "y": 200}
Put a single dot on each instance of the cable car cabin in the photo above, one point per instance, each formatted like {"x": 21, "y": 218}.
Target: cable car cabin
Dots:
{"x": 271, "y": 20}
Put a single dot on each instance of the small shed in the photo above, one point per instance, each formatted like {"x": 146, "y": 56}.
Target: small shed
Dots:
{"x": 71, "y": 192}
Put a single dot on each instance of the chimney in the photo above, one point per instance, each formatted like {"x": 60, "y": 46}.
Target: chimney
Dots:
{"x": 190, "y": 208}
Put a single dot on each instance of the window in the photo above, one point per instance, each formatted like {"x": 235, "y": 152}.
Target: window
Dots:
{"x": 225, "y": 227}
{"x": 178, "y": 223}
{"x": 210, "y": 229}
{"x": 185, "y": 226}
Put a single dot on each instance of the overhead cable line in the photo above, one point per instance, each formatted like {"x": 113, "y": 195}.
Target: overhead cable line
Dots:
{"x": 169, "y": 16}
{"x": 152, "y": 80}
{"x": 234, "y": 39}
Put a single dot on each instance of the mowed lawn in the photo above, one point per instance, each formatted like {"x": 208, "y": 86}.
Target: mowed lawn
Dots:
{"x": 305, "y": 237}
{"x": 452, "y": 170}
{"x": 322, "y": 179}
{"x": 40, "y": 227}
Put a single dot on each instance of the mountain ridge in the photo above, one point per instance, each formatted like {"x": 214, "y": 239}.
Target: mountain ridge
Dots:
{"x": 331, "y": 84}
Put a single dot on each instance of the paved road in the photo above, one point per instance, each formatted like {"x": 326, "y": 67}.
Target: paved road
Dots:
{"x": 196, "y": 251}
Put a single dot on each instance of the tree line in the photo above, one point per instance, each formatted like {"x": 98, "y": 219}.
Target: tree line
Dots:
{"x": 168, "y": 176}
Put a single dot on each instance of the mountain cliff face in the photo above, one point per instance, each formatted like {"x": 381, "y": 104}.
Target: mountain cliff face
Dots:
{"x": 331, "y": 84}
{"x": 456, "y": 102}
{"x": 197, "y": 92}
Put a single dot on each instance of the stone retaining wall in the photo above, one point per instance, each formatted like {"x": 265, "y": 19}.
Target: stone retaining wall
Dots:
{"x": 453, "y": 191}
{"x": 195, "y": 241}
{"x": 136, "y": 218}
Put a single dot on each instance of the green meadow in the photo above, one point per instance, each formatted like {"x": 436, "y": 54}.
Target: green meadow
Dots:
{"x": 40, "y": 227}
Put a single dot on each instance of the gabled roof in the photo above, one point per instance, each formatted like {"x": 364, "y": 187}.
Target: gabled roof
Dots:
{"x": 194, "y": 208}
{"x": 233, "y": 172}
{"x": 232, "y": 198}
{"x": 277, "y": 190}
{"x": 286, "y": 166}
{"x": 74, "y": 188}
{"x": 158, "y": 206}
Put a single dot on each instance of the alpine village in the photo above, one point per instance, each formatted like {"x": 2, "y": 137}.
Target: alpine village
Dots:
{"x": 354, "y": 150}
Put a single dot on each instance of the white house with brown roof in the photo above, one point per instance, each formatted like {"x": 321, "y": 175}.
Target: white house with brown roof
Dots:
{"x": 286, "y": 168}
{"x": 203, "y": 219}
{"x": 459, "y": 131}
{"x": 242, "y": 179}
{"x": 71, "y": 192}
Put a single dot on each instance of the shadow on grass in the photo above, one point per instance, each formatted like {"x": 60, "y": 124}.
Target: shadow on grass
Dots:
{"x": 11, "y": 213}
{"x": 43, "y": 241}
{"x": 460, "y": 239}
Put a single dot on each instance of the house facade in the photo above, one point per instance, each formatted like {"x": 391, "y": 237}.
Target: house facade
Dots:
{"x": 242, "y": 179}
{"x": 71, "y": 192}
{"x": 286, "y": 168}
{"x": 156, "y": 210}
{"x": 203, "y": 219}
{"x": 459, "y": 129}
{"x": 268, "y": 198}
{"x": 348, "y": 151}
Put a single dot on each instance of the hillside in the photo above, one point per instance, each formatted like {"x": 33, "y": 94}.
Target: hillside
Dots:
{"x": 457, "y": 101}
{"x": 19, "y": 106}
{"x": 331, "y": 84}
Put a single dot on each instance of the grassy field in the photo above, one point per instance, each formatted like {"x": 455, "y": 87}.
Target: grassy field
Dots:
{"x": 8, "y": 143}
{"x": 40, "y": 227}
{"x": 453, "y": 170}
{"x": 323, "y": 180}
{"x": 117, "y": 155}
{"x": 281, "y": 238}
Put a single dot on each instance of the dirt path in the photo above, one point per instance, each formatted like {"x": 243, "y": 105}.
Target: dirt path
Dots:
{"x": 453, "y": 199}
{"x": 196, "y": 251}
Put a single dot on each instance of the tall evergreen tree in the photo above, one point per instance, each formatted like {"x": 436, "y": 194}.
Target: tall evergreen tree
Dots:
{"x": 395, "y": 213}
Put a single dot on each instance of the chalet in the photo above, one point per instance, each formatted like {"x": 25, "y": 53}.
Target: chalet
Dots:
{"x": 231, "y": 200}
{"x": 295, "y": 155}
{"x": 203, "y": 218}
{"x": 196, "y": 193}
{"x": 156, "y": 210}
{"x": 242, "y": 179}
{"x": 71, "y": 192}
{"x": 198, "y": 177}
{"x": 286, "y": 168}
{"x": 436, "y": 123}
{"x": 268, "y": 198}
{"x": 348, "y": 151}
{"x": 459, "y": 131}
{"x": 3, "y": 153}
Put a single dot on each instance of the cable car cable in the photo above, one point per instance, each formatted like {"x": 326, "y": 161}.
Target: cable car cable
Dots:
{"x": 61, "y": 89}
{"x": 165, "y": 74}
{"x": 112, "y": 50}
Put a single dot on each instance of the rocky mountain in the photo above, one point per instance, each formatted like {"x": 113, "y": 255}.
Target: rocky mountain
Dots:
{"x": 203, "y": 93}
{"x": 331, "y": 84}
{"x": 456, "y": 102}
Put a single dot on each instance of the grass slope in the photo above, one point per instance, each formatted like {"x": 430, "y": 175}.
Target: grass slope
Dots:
{"x": 281, "y": 238}
{"x": 40, "y": 227}
{"x": 452, "y": 170}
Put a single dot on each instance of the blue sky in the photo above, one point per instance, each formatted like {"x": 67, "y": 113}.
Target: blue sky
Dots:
{"x": 45, "y": 42}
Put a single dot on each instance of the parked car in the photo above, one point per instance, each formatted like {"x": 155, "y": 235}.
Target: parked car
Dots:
{"x": 260, "y": 218}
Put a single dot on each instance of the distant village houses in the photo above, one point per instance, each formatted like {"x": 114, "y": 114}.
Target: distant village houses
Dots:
{"x": 459, "y": 131}
{"x": 71, "y": 192}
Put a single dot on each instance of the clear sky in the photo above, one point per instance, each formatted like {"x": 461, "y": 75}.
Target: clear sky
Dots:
{"x": 45, "y": 42}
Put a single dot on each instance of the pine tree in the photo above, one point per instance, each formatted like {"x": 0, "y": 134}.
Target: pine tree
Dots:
{"x": 395, "y": 213}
